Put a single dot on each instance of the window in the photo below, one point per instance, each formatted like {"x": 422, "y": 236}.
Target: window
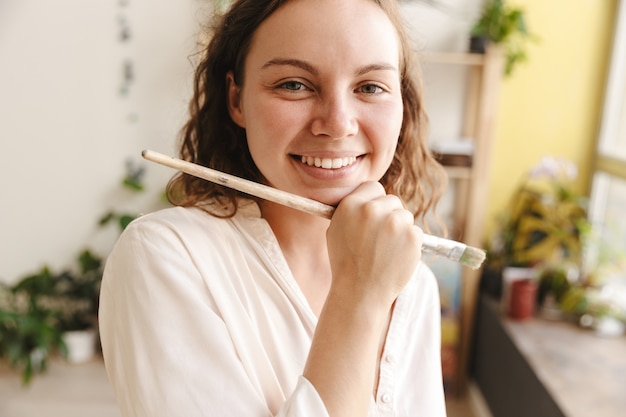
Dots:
{"x": 608, "y": 194}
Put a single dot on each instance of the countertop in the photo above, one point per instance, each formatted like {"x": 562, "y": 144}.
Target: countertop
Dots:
{"x": 584, "y": 373}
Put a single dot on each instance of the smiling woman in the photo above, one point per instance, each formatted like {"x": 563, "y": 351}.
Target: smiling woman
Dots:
{"x": 250, "y": 308}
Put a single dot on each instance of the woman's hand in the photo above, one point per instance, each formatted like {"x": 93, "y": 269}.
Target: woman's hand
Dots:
{"x": 373, "y": 245}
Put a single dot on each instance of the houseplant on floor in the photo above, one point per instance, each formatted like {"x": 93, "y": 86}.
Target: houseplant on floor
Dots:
{"x": 29, "y": 333}
{"x": 46, "y": 312}
{"x": 77, "y": 299}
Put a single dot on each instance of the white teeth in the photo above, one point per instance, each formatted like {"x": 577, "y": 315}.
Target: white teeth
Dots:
{"x": 328, "y": 163}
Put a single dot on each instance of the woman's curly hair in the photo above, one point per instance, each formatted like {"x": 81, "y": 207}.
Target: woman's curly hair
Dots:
{"x": 212, "y": 139}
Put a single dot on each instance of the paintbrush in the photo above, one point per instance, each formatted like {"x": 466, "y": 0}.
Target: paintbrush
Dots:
{"x": 455, "y": 251}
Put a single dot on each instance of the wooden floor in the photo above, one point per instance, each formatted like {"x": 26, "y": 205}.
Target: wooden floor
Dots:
{"x": 83, "y": 391}
{"x": 459, "y": 407}
{"x": 64, "y": 391}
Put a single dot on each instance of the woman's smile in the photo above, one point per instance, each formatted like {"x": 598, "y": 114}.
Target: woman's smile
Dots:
{"x": 328, "y": 163}
{"x": 332, "y": 170}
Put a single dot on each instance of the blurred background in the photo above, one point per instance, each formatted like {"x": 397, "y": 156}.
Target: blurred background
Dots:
{"x": 86, "y": 85}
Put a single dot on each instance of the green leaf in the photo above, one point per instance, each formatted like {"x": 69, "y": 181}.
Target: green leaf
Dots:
{"x": 133, "y": 184}
{"x": 125, "y": 220}
{"x": 106, "y": 218}
{"x": 89, "y": 262}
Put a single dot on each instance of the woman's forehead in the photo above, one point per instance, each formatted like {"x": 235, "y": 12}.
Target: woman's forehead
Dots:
{"x": 356, "y": 32}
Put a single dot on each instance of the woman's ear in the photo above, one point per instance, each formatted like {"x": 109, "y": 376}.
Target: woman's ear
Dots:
{"x": 233, "y": 94}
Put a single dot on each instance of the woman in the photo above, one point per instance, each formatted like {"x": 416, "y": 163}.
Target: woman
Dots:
{"x": 231, "y": 306}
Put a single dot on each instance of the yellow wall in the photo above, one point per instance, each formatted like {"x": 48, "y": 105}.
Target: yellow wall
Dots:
{"x": 551, "y": 104}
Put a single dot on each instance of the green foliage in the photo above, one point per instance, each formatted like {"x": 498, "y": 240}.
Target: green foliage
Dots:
{"x": 28, "y": 330}
{"x": 545, "y": 227}
{"x": 553, "y": 281}
{"x": 38, "y": 309}
{"x": 506, "y": 26}
{"x": 581, "y": 300}
{"x": 122, "y": 219}
{"x": 132, "y": 181}
{"x": 78, "y": 293}
{"x": 546, "y": 221}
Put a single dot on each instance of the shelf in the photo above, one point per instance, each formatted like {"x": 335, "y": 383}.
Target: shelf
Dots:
{"x": 469, "y": 168}
{"x": 458, "y": 173}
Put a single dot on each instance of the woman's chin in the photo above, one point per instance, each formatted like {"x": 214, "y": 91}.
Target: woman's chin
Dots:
{"x": 331, "y": 197}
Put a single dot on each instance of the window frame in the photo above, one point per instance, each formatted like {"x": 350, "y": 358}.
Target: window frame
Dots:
{"x": 609, "y": 163}
{"x": 614, "y": 102}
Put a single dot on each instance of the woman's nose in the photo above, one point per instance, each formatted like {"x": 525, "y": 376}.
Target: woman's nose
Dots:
{"x": 335, "y": 117}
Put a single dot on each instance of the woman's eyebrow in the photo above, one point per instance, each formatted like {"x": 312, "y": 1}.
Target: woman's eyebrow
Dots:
{"x": 375, "y": 67}
{"x": 291, "y": 62}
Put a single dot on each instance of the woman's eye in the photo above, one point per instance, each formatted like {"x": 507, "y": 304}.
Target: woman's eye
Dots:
{"x": 371, "y": 89}
{"x": 293, "y": 86}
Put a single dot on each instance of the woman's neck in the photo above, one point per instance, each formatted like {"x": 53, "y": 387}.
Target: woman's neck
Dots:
{"x": 302, "y": 239}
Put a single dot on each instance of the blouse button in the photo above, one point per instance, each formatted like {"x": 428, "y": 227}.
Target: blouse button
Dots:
{"x": 389, "y": 359}
{"x": 386, "y": 398}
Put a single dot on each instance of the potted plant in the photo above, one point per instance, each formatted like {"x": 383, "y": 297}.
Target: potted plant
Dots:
{"x": 49, "y": 312}
{"x": 77, "y": 296}
{"x": 503, "y": 25}
{"x": 80, "y": 291}
{"x": 541, "y": 234}
{"x": 598, "y": 300}
{"x": 592, "y": 309}
{"x": 28, "y": 329}
{"x": 546, "y": 221}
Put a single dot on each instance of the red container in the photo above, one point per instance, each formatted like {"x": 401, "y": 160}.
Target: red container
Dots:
{"x": 523, "y": 299}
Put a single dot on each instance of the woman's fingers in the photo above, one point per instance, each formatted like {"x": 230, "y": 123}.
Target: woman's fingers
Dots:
{"x": 374, "y": 246}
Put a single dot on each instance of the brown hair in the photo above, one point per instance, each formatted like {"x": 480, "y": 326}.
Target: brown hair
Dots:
{"x": 212, "y": 139}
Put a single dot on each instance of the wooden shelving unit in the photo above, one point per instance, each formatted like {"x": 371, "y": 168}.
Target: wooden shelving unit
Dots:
{"x": 484, "y": 76}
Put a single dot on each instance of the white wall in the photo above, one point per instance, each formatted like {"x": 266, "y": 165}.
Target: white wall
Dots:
{"x": 66, "y": 132}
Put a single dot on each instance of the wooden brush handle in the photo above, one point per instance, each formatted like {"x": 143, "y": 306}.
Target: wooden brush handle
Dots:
{"x": 246, "y": 186}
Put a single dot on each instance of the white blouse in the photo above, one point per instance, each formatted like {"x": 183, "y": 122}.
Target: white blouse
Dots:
{"x": 201, "y": 316}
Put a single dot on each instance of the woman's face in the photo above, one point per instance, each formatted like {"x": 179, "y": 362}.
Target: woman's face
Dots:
{"x": 321, "y": 101}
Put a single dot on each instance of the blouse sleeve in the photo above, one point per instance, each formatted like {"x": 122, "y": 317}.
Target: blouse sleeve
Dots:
{"x": 304, "y": 402}
{"x": 166, "y": 349}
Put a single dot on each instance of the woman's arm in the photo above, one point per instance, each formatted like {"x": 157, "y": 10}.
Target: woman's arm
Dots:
{"x": 374, "y": 249}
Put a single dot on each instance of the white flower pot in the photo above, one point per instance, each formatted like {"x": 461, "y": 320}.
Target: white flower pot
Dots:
{"x": 609, "y": 326}
{"x": 81, "y": 345}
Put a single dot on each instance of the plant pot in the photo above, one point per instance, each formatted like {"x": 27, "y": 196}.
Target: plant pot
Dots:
{"x": 523, "y": 299}
{"x": 478, "y": 44}
{"x": 510, "y": 274}
{"x": 549, "y": 308}
{"x": 38, "y": 358}
{"x": 609, "y": 326}
{"x": 81, "y": 345}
